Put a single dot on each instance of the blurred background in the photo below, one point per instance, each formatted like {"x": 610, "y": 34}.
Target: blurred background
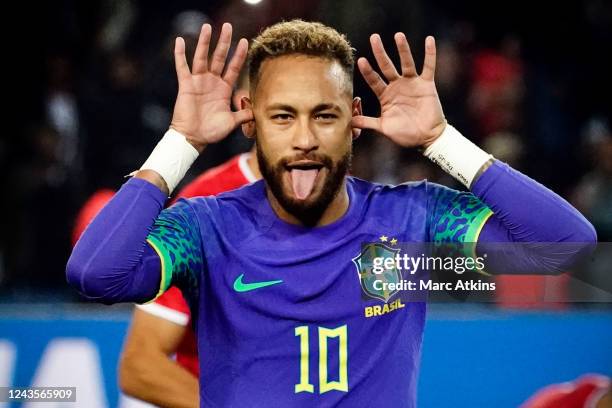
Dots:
{"x": 95, "y": 87}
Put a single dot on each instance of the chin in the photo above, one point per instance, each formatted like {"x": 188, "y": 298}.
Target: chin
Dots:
{"x": 327, "y": 183}
{"x": 308, "y": 210}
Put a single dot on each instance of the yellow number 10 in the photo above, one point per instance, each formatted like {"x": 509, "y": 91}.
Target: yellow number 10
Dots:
{"x": 324, "y": 385}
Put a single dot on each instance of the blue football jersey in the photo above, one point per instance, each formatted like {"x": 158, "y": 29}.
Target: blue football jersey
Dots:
{"x": 284, "y": 315}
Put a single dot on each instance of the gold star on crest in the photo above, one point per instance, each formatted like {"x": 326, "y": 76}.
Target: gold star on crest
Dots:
{"x": 384, "y": 238}
{"x": 393, "y": 241}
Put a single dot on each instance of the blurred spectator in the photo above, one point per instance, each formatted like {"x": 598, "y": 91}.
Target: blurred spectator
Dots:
{"x": 46, "y": 197}
{"x": 62, "y": 111}
{"x": 453, "y": 84}
{"x": 497, "y": 91}
{"x": 505, "y": 146}
{"x": 593, "y": 194}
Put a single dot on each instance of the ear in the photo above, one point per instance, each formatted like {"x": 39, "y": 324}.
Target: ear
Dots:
{"x": 237, "y": 97}
{"x": 248, "y": 128}
{"x": 356, "y": 111}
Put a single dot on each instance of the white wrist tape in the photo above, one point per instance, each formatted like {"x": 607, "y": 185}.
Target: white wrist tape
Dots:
{"x": 457, "y": 156}
{"x": 171, "y": 158}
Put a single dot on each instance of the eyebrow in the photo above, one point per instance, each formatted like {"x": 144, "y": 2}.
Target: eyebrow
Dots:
{"x": 318, "y": 108}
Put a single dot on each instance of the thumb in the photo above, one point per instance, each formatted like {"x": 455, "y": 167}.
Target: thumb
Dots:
{"x": 243, "y": 116}
{"x": 365, "y": 122}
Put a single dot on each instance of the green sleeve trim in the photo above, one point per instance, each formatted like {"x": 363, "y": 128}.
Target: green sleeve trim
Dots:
{"x": 166, "y": 265}
{"x": 474, "y": 231}
{"x": 476, "y": 225}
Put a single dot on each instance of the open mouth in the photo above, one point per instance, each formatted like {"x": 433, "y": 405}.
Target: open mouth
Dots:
{"x": 303, "y": 175}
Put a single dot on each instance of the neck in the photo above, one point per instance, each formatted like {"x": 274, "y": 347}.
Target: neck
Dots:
{"x": 336, "y": 209}
{"x": 252, "y": 163}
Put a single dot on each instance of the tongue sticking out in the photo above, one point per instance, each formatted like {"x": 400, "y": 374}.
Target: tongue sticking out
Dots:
{"x": 303, "y": 182}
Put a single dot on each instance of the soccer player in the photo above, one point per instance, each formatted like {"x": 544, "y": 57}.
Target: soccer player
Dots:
{"x": 270, "y": 270}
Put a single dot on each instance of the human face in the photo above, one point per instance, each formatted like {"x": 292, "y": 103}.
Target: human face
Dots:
{"x": 303, "y": 107}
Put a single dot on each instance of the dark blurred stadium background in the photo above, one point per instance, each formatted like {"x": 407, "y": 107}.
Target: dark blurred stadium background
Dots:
{"x": 531, "y": 83}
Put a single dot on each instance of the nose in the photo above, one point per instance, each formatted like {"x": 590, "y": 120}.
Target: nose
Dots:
{"x": 304, "y": 138}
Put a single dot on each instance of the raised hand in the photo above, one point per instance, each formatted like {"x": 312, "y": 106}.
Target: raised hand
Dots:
{"x": 202, "y": 111}
{"x": 410, "y": 110}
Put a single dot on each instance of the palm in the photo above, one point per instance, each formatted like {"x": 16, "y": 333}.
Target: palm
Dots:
{"x": 202, "y": 108}
{"x": 410, "y": 110}
{"x": 202, "y": 111}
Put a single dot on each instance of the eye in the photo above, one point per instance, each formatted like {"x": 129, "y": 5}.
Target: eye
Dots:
{"x": 325, "y": 116}
{"x": 282, "y": 117}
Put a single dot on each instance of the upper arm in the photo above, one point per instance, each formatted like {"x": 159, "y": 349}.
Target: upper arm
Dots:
{"x": 177, "y": 240}
{"x": 456, "y": 216}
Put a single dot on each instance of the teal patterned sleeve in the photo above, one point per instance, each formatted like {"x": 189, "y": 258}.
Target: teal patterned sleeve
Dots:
{"x": 456, "y": 217}
{"x": 177, "y": 240}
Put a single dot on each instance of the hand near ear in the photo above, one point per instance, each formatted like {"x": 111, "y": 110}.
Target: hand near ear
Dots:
{"x": 202, "y": 111}
{"x": 410, "y": 110}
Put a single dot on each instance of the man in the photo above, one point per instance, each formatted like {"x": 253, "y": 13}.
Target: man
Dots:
{"x": 270, "y": 269}
{"x": 164, "y": 327}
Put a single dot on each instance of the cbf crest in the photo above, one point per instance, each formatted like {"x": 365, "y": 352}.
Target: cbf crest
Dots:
{"x": 365, "y": 270}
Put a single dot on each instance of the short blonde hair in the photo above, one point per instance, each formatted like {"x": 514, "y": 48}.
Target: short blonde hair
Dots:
{"x": 300, "y": 37}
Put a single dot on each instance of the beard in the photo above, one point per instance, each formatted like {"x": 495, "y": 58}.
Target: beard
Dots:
{"x": 309, "y": 210}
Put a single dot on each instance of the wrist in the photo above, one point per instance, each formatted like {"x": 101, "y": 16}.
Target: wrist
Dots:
{"x": 457, "y": 156}
{"x": 437, "y": 131}
{"x": 171, "y": 158}
{"x": 199, "y": 146}
{"x": 154, "y": 178}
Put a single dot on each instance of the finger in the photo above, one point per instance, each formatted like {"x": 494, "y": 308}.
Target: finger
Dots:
{"x": 407, "y": 63}
{"x": 220, "y": 54}
{"x": 243, "y": 116}
{"x": 365, "y": 122}
{"x": 371, "y": 77}
{"x": 382, "y": 58}
{"x": 200, "y": 58}
{"x": 180, "y": 61}
{"x": 235, "y": 65}
{"x": 429, "y": 66}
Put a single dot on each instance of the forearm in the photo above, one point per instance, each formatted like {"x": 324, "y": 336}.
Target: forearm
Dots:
{"x": 154, "y": 178}
{"x": 153, "y": 377}
{"x": 112, "y": 261}
{"x": 548, "y": 233}
{"x": 527, "y": 210}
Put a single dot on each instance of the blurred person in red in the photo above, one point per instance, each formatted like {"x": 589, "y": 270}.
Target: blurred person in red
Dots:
{"x": 588, "y": 391}
{"x": 497, "y": 92}
{"x": 159, "y": 363}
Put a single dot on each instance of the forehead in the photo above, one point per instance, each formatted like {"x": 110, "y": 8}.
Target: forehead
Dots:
{"x": 282, "y": 79}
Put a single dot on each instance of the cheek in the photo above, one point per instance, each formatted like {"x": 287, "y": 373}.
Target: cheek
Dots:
{"x": 271, "y": 142}
{"x": 337, "y": 139}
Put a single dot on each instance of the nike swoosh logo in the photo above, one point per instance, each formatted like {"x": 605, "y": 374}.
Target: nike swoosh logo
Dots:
{"x": 240, "y": 286}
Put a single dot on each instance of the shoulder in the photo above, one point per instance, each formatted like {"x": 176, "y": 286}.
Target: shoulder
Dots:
{"x": 246, "y": 197}
{"x": 378, "y": 192}
{"x": 390, "y": 207}
{"x": 233, "y": 212}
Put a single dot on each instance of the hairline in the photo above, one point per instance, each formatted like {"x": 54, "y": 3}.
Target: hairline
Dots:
{"x": 254, "y": 80}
